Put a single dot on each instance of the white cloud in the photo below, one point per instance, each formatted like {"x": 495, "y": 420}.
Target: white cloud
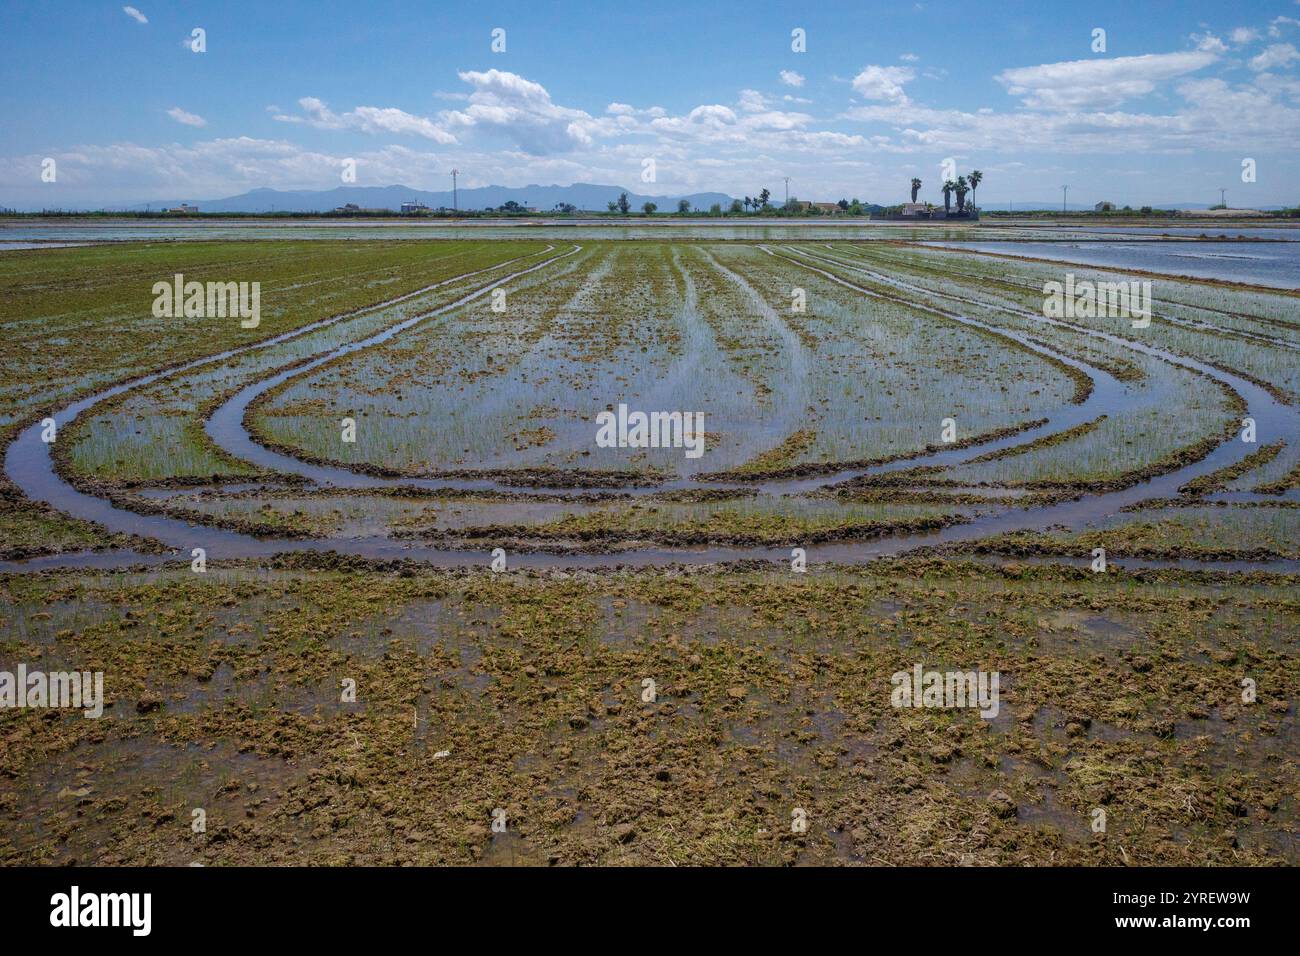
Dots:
{"x": 1098, "y": 83}
{"x": 510, "y": 131}
{"x": 1243, "y": 35}
{"x": 206, "y": 168}
{"x": 791, "y": 78}
{"x": 135, "y": 14}
{"x": 909, "y": 57}
{"x": 1275, "y": 85}
{"x": 508, "y": 105}
{"x": 1208, "y": 43}
{"x": 883, "y": 82}
{"x": 187, "y": 119}
{"x": 1274, "y": 56}
{"x": 368, "y": 119}
{"x": 714, "y": 117}
{"x": 713, "y": 126}
{"x": 391, "y": 120}
{"x": 1275, "y": 26}
{"x": 1214, "y": 116}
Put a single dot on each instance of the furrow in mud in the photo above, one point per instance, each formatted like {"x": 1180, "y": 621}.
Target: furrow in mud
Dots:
{"x": 226, "y": 428}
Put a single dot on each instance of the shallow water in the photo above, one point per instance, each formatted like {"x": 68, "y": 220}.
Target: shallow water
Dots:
{"x": 51, "y": 233}
{"x": 29, "y": 464}
{"x": 80, "y": 232}
{"x": 1206, "y": 230}
{"x": 1273, "y": 264}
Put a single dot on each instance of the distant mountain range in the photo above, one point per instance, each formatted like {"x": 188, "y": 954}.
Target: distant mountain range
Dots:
{"x": 585, "y": 196}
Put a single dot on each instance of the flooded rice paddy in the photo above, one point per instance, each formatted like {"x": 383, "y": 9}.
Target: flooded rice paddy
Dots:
{"x": 396, "y": 481}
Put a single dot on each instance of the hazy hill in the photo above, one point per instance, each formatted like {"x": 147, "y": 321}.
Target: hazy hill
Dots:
{"x": 587, "y": 196}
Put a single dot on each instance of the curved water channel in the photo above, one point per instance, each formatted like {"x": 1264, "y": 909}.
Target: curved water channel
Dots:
{"x": 30, "y": 465}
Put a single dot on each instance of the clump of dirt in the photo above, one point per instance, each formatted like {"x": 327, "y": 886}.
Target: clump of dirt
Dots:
{"x": 684, "y": 716}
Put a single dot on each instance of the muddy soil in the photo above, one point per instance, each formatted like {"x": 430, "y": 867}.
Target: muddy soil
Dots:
{"x": 527, "y": 693}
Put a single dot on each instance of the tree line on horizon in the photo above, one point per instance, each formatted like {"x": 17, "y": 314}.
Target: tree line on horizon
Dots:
{"x": 750, "y": 205}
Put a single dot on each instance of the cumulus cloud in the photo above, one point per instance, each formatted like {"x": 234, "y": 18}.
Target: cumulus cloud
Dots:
{"x": 1099, "y": 83}
{"x": 509, "y": 130}
{"x": 367, "y": 119}
{"x": 791, "y": 78}
{"x": 712, "y": 117}
{"x": 1276, "y": 24}
{"x": 1243, "y": 35}
{"x": 715, "y": 125}
{"x": 523, "y": 112}
{"x": 135, "y": 14}
{"x": 883, "y": 82}
{"x": 1274, "y": 56}
{"x": 1215, "y": 115}
{"x": 1208, "y": 43}
{"x": 206, "y": 168}
{"x": 1276, "y": 85}
{"x": 185, "y": 118}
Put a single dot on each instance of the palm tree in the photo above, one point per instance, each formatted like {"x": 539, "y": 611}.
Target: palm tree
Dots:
{"x": 948, "y": 187}
{"x": 976, "y": 177}
{"x": 963, "y": 187}
{"x": 748, "y": 202}
{"x": 916, "y": 188}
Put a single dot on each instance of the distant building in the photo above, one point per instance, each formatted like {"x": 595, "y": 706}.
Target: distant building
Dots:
{"x": 348, "y": 207}
{"x": 1104, "y": 206}
{"x": 413, "y": 207}
{"x": 183, "y": 207}
{"x": 914, "y": 211}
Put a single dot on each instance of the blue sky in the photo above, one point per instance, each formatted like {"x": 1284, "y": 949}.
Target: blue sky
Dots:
{"x": 712, "y": 92}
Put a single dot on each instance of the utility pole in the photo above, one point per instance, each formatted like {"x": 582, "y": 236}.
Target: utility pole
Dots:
{"x": 455, "y": 207}
{"x": 1065, "y": 191}
{"x": 1223, "y": 198}
{"x": 787, "y": 192}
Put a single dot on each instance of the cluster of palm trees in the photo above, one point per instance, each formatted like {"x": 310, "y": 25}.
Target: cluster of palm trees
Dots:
{"x": 962, "y": 185}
